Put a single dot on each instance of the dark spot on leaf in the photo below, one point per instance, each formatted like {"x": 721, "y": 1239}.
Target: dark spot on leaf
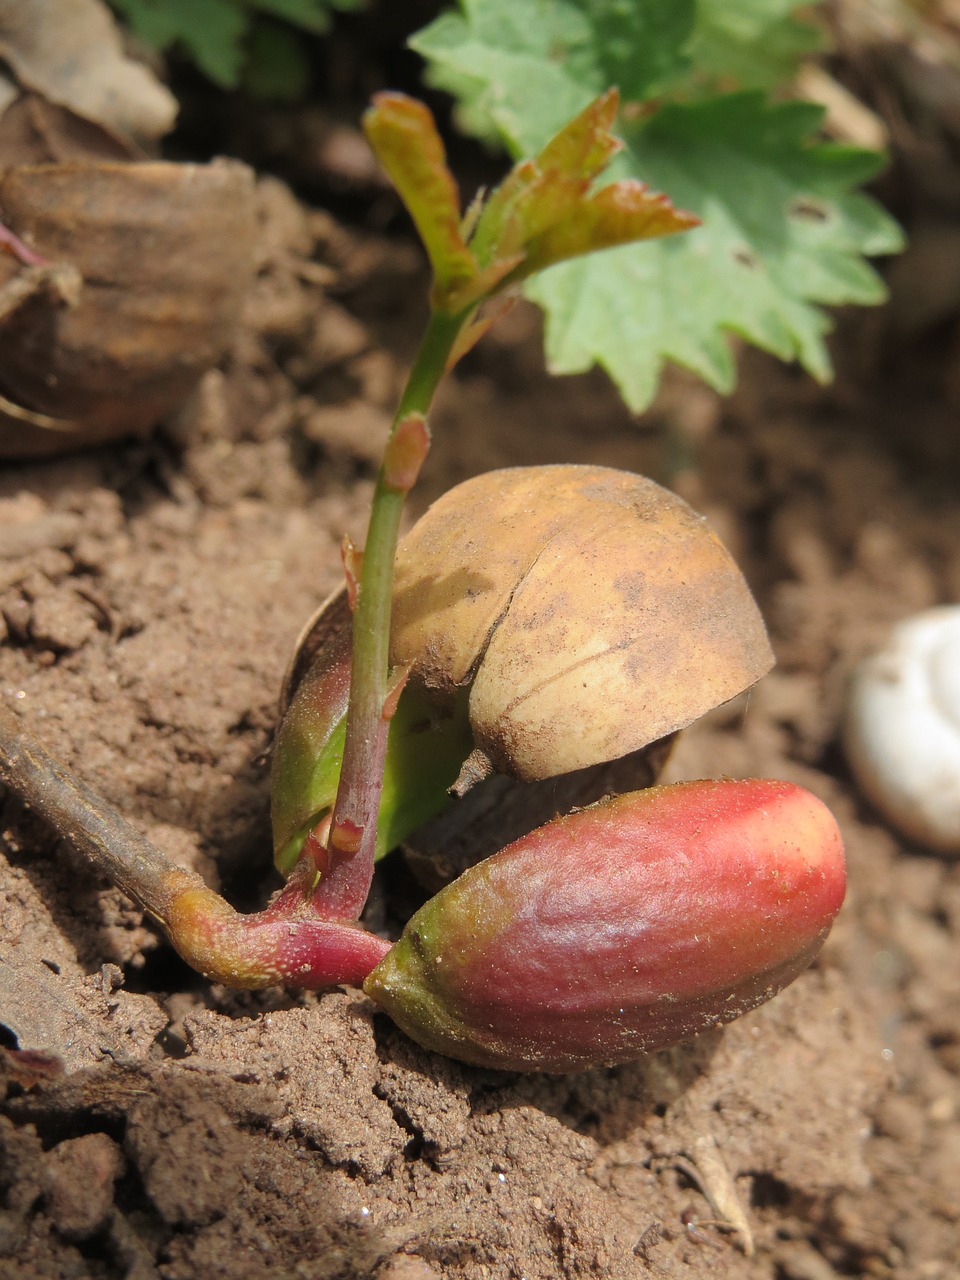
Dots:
{"x": 806, "y": 209}
{"x": 417, "y": 944}
{"x": 746, "y": 258}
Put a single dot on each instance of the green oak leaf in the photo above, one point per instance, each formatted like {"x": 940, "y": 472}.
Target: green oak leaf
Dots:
{"x": 210, "y": 31}
{"x": 309, "y": 15}
{"x": 750, "y": 44}
{"x": 213, "y": 33}
{"x": 512, "y": 58}
{"x": 782, "y": 235}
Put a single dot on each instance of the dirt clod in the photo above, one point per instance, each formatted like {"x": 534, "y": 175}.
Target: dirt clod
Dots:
{"x": 80, "y": 1173}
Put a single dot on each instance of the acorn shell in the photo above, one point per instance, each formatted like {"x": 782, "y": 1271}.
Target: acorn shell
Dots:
{"x": 591, "y": 611}
{"x": 164, "y": 253}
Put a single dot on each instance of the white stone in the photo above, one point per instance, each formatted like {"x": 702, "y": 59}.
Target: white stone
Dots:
{"x": 902, "y": 731}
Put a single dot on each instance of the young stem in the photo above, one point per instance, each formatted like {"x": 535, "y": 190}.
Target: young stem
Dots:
{"x": 344, "y": 864}
{"x": 15, "y": 247}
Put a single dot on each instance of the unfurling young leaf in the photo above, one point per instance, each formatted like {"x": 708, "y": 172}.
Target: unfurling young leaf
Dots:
{"x": 404, "y": 137}
{"x": 544, "y": 212}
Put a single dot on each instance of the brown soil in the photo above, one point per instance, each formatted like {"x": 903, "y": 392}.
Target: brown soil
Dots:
{"x": 151, "y": 594}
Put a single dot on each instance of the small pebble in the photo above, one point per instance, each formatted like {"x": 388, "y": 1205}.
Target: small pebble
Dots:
{"x": 902, "y": 731}
{"x": 79, "y": 1176}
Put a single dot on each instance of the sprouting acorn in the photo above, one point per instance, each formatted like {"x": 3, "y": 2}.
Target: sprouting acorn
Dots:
{"x": 622, "y": 928}
{"x": 551, "y": 618}
{"x": 539, "y": 621}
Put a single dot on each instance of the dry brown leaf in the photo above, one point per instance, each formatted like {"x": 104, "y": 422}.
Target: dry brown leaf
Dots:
{"x": 165, "y": 252}
{"x": 36, "y": 131}
{"x": 70, "y": 52}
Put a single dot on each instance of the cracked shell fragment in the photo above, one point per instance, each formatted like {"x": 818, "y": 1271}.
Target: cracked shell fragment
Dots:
{"x": 591, "y": 610}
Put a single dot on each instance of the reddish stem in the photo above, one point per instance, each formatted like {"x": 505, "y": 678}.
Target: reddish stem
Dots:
{"x": 15, "y": 247}
{"x": 343, "y": 856}
{"x": 286, "y": 943}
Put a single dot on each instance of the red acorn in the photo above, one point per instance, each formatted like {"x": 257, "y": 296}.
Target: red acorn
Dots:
{"x": 620, "y": 929}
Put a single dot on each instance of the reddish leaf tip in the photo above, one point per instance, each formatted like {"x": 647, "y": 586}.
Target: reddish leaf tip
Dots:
{"x": 405, "y": 453}
{"x": 346, "y": 836}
